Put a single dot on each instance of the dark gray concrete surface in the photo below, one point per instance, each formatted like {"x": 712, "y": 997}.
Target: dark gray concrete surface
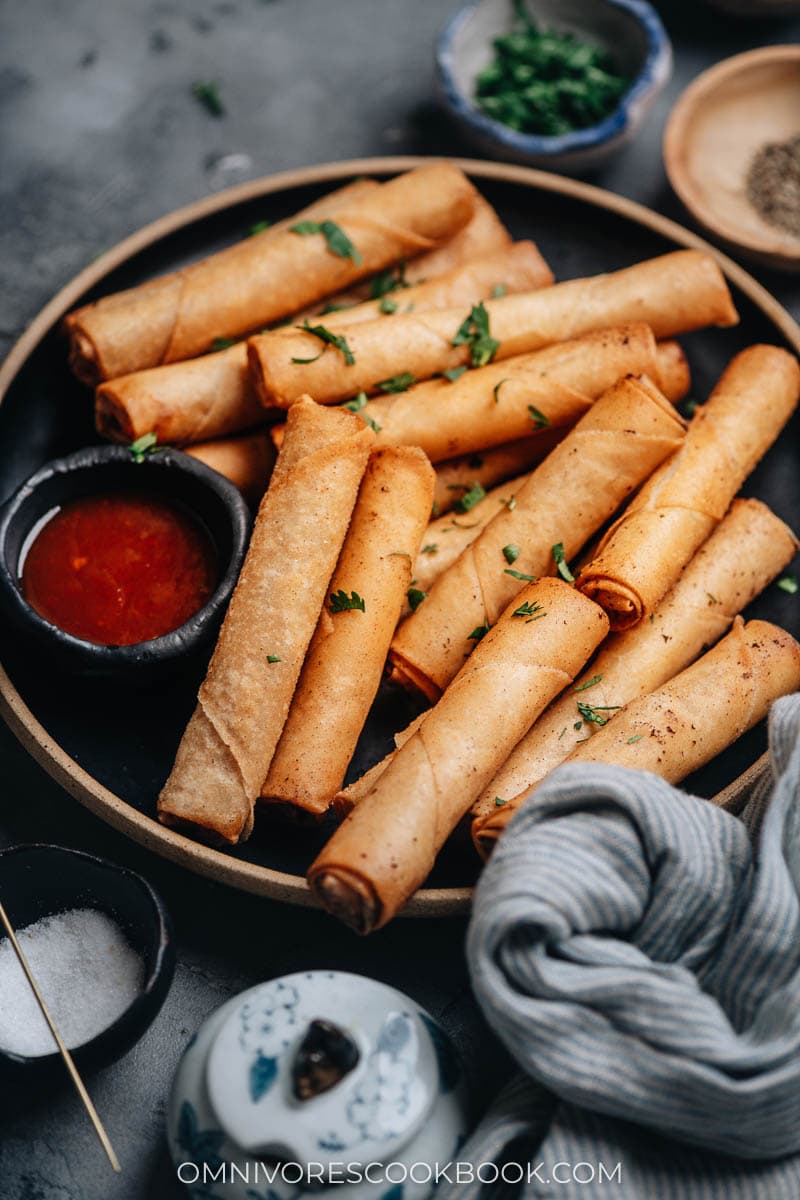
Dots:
{"x": 99, "y": 134}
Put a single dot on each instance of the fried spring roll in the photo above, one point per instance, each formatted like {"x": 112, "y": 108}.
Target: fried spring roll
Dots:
{"x": 242, "y": 705}
{"x": 349, "y": 796}
{"x": 386, "y": 847}
{"x": 744, "y": 554}
{"x": 345, "y": 660}
{"x": 698, "y": 714}
{"x": 495, "y": 404}
{"x": 628, "y": 432}
{"x": 673, "y": 294}
{"x": 263, "y": 278}
{"x": 247, "y": 461}
{"x": 643, "y": 552}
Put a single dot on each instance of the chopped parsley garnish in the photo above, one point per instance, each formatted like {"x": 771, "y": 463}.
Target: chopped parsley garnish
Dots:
{"x": 334, "y": 307}
{"x": 453, "y": 373}
{"x": 341, "y": 602}
{"x": 471, "y": 497}
{"x": 499, "y": 801}
{"x": 337, "y": 240}
{"x": 328, "y": 338}
{"x": 208, "y": 95}
{"x": 789, "y": 584}
{"x": 690, "y": 407}
{"x": 520, "y": 575}
{"x": 511, "y": 553}
{"x": 594, "y": 714}
{"x": 435, "y": 509}
{"x": 415, "y": 597}
{"x": 479, "y": 632}
{"x": 510, "y": 502}
{"x": 581, "y": 687}
{"x": 398, "y": 383}
{"x": 496, "y": 390}
{"x": 388, "y": 281}
{"x": 431, "y": 548}
{"x": 637, "y": 737}
{"x": 221, "y": 343}
{"x": 474, "y": 332}
{"x": 388, "y": 306}
{"x": 540, "y": 421}
{"x": 144, "y": 445}
{"x": 358, "y": 402}
{"x": 259, "y": 227}
{"x": 499, "y": 290}
{"x": 531, "y": 609}
{"x": 273, "y": 658}
{"x": 561, "y": 562}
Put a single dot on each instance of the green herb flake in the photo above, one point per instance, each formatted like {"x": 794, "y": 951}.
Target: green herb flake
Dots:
{"x": 328, "y": 338}
{"x": 334, "y": 307}
{"x": 520, "y": 575}
{"x": 221, "y": 343}
{"x": 511, "y": 553}
{"x": 498, "y": 291}
{"x": 273, "y": 658}
{"x": 453, "y": 373}
{"x": 471, "y": 497}
{"x": 388, "y": 281}
{"x": 474, "y": 332}
{"x": 259, "y": 227}
{"x": 499, "y": 801}
{"x": 578, "y": 725}
{"x": 479, "y": 632}
{"x": 435, "y": 509}
{"x": 337, "y": 240}
{"x": 144, "y": 445}
{"x": 510, "y": 502}
{"x": 789, "y": 584}
{"x": 496, "y": 389}
{"x": 397, "y": 383}
{"x": 531, "y": 609}
{"x": 388, "y": 306}
{"x": 540, "y": 421}
{"x": 415, "y": 597}
{"x": 563, "y": 731}
{"x": 560, "y": 560}
{"x": 582, "y": 687}
{"x": 431, "y": 548}
{"x": 358, "y": 402}
{"x": 594, "y": 713}
{"x": 341, "y": 602}
{"x": 208, "y": 95}
{"x": 637, "y": 737}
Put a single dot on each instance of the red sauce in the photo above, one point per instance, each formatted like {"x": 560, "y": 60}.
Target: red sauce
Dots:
{"x": 119, "y": 569}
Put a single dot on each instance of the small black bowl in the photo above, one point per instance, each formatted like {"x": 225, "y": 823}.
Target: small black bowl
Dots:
{"x": 38, "y": 880}
{"x": 203, "y": 493}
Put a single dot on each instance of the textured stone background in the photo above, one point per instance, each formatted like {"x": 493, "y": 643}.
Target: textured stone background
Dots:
{"x": 99, "y": 134}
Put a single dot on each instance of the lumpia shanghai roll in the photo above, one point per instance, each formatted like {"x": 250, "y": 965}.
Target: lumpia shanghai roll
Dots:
{"x": 507, "y": 400}
{"x": 243, "y": 702}
{"x": 673, "y": 294}
{"x": 698, "y": 714}
{"x": 246, "y": 460}
{"x": 386, "y": 847}
{"x": 743, "y": 555}
{"x": 628, "y": 432}
{"x": 263, "y": 278}
{"x": 643, "y": 552}
{"x": 456, "y": 476}
{"x": 345, "y": 660}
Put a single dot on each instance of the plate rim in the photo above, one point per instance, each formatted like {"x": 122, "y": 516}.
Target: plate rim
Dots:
{"x": 46, "y": 751}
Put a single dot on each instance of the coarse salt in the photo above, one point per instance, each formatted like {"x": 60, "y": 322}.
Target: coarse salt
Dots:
{"x": 87, "y": 973}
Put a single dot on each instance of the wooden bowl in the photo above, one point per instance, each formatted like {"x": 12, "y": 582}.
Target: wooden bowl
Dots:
{"x": 715, "y": 129}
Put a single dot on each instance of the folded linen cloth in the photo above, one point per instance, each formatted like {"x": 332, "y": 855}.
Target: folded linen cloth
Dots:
{"x": 638, "y": 952}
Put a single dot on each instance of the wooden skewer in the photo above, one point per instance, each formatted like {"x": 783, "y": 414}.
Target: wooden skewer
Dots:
{"x": 80, "y": 1087}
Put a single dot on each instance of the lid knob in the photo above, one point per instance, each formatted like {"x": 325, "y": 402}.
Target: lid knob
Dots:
{"x": 325, "y": 1055}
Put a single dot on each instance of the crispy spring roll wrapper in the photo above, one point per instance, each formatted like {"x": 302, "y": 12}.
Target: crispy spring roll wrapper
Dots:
{"x": 349, "y": 796}
{"x": 242, "y": 705}
{"x": 262, "y": 278}
{"x": 680, "y": 727}
{"x": 495, "y": 404}
{"x": 674, "y": 374}
{"x": 185, "y": 402}
{"x": 120, "y": 333}
{"x": 247, "y": 461}
{"x": 743, "y": 555}
{"x": 386, "y": 847}
{"x": 673, "y": 294}
{"x": 628, "y": 432}
{"x": 643, "y": 552}
{"x": 345, "y": 660}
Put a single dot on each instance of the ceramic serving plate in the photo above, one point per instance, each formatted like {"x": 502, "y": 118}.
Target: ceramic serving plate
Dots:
{"x": 112, "y": 747}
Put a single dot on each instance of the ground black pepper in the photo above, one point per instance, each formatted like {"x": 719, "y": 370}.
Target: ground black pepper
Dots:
{"x": 773, "y": 184}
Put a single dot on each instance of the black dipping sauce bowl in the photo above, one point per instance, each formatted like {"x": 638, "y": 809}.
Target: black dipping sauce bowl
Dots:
{"x": 38, "y": 881}
{"x": 166, "y": 474}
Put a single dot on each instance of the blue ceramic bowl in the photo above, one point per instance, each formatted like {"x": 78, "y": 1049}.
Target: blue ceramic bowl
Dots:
{"x": 630, "y": 29}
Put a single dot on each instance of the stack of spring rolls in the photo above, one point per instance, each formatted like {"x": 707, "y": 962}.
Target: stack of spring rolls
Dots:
{"x": 471, "y": 478}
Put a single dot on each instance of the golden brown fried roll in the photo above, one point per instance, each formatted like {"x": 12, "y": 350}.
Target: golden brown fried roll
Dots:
{"x": 694, "y": 717}
{"x": 243, "y": 702}
{"x": 345, "y": 660}
{"x": 643, "y": 552}
{"x": 673, "y": 294}
{"x": 246, "y": 460}
{"x": 628, "y": 432}
{"x": 262, "y": 278}
{"x": 744, "y": 553}
{"x": 386, "y": 847}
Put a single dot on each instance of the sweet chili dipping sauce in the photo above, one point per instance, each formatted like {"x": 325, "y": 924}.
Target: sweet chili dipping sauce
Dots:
{"x": 119, "y": 568}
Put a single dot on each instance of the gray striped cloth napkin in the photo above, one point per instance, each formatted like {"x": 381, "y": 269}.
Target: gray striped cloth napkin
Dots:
{"x": 638, "y": 951}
